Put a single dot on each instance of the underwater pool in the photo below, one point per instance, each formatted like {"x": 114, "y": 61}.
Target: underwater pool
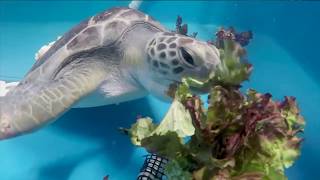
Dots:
{"x": 86, "y": 144}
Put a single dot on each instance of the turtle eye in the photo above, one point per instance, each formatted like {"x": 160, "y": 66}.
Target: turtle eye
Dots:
{"x": 186, "y": 56}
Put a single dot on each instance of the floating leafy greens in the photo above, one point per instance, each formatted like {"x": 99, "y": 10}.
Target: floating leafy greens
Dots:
{"x": 239, "y": 136}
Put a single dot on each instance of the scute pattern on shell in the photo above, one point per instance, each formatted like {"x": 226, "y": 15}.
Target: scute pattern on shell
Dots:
{"x": 89, "y": 37}
{"x": 132, "y": 14}
{"x": 61, "y": 42}
{"x": 113, "y": 30}
{"x": 113, "y": 23}
{"x": 105, "y": 15}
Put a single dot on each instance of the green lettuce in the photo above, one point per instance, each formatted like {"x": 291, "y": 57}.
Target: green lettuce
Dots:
{"x": 174, "y": 171}
{"x": 177, "y": 120}
{"x": 239, "y": 136}
{"x": 233, "y": 69}
{"x": 141, "y": 129}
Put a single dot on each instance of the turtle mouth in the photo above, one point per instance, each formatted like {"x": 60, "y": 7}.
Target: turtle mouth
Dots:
{"x": 193, "y": 89}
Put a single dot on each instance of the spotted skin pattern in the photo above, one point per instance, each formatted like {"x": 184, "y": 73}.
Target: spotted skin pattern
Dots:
{"x": 163, "y": 53}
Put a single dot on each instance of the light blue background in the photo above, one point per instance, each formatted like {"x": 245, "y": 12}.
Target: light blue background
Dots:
{"x": 84, "y": 144}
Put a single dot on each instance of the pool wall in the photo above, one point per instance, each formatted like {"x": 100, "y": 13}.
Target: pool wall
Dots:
{"x": 85, "y": 143}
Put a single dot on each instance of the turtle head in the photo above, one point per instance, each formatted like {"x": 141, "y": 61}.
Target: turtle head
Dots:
{"x": 172, "y": 57}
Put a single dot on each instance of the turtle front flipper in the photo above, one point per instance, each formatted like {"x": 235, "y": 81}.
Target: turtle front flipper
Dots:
{"x": 35, "y": 103}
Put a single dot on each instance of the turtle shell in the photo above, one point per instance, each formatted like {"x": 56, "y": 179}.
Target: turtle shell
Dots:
{"x": 102, "y": 29}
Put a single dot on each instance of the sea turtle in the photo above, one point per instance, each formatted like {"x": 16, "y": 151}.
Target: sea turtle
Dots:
{"x": 118, "y": 55}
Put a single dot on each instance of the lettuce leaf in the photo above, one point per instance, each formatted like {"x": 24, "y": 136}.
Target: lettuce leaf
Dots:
{"x": 141, "y": 129}
{"x": 233, "y": 69}
{"x": 174, "y": 171}
{"x": 168, "y": 144}
{"x": 239, "y": 136}
{"x": 178, "y": 120}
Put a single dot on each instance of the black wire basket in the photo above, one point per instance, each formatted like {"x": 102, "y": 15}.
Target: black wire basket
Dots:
{"x": 153, "y": 168}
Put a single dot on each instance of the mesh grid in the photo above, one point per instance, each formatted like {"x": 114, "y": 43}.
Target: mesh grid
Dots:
{"x": 153, "y": 168}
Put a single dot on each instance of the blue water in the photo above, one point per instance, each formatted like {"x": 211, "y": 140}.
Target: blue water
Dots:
{"x": 85, "y": 143}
